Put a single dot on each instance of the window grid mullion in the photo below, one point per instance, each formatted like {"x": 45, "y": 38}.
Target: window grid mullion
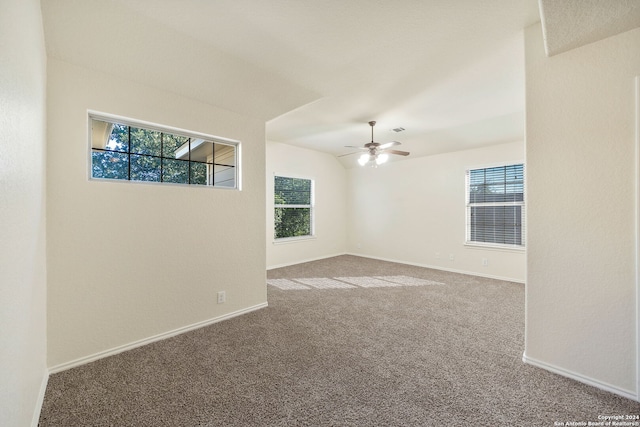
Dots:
{"x": 129, "y": 152}
{"x": 161, "y": 156}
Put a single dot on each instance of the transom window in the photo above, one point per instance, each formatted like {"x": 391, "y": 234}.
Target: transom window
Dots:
{"x": 495, "y": 206}
{"x": 293, "y": 201}
{"x": 123, "y": 150}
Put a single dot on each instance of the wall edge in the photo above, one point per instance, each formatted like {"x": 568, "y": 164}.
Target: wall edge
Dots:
{"x": 159, "y": 337}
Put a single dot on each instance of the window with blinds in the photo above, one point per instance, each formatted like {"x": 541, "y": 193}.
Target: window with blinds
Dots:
{"x": 495, "y": 206}
{"x": 293, "y": 202}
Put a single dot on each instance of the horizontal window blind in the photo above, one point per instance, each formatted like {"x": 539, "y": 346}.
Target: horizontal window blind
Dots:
{"x": 495, "y": 205}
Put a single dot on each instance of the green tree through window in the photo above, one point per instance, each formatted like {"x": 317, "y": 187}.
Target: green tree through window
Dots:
{"x": 293, "y": 200}
{"x": 120, "y": 151}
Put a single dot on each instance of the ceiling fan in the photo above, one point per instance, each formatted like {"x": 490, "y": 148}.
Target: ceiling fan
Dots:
{"x": 375, "y": 152}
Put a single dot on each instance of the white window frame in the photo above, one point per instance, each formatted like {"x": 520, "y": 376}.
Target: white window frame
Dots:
{"x": 469, "y": 205}
{"x": 311, "y": 207}
{"x": 197, "y": 136}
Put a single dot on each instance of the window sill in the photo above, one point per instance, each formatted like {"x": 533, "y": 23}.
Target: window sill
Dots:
{"x": 286, "y": 240}
{"x": 495, "y": 247}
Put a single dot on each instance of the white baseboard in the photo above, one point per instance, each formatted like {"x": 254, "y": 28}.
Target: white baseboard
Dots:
{"x": 38, "y": 409}
{"x": 436, "y": 267}
{"x": 100, "y": 355}
{"x": 302, "y": 261}
{"x": 580, "y": 378}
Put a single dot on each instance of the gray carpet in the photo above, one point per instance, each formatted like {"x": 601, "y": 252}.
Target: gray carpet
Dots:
{"x": 441, "y": 349}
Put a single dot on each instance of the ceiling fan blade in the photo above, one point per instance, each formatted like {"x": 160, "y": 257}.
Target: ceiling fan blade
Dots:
{"x": 388, "y": 144}
{"x": 348, "y": 154}
{"x": 398, "y": 152}
{"x": 376, "y": 148}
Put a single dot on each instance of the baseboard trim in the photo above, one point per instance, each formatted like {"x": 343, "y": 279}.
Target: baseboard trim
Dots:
{"x": 305, "y": 260}
{"x": 100, "y": 355}
{"x": 40, "y": 402}
{"x": 436, "y": 267}
{"x": 580, "y": 378}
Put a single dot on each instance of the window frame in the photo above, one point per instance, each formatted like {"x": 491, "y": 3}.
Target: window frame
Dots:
{"x": 469, "y": 205}
{"x": 311, "y": 207}
{"x": 145, "y": 125}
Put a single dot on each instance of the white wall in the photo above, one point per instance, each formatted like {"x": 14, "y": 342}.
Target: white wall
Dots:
{"x": 23, "y": 372}
{"x": 128, "y": 261}
{"x": 330, "y": 203}
{"x": 581, "y": 306}
{"x": 412, "y": 210}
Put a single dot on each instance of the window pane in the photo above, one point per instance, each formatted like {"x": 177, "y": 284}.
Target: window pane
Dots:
{"x": 292, "y": 191}
{"x": 494, "y": 175}
{"x": 144, "y": 141}
{"x": 145, "y": 168}
{"x": 176, "y": 171}
{"x": 109, "y": 165}
{"x": 224, "y": 174}
{"x": 109, "y": 136}
{"x": 496, "y": 224}
{"x": 476, "y": 194}
{"x": 496, "y": 185}
{"x": 119, "y": 138}
{"x": 173, "y": 146}
{"x": 514, "y": 173}
{"x": 292, "y": 222}
{"x": 198, "y": 173}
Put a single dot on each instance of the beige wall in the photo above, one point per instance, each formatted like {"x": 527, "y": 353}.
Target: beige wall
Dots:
{"x": 413, "y": 210}
{"x": 330, "y": 203}
{"x": 581, "y": 292}
{"x": 128, "y": 262}
{"x": 23, "y": 372}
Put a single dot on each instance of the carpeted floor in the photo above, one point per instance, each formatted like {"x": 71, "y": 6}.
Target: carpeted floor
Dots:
{"x": 398, "y": 346}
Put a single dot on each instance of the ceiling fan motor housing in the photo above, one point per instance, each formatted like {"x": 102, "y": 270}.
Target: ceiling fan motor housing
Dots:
{"x": 378, "y": 153}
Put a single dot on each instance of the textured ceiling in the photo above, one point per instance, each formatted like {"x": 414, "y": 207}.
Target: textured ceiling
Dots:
{"x": 568, "y": 24}
{"x": 450, "y": 72}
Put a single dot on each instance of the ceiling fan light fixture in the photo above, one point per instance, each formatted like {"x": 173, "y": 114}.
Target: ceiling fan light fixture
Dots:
{"x": 377, "y": 153}
{"x": 381, "y": 158}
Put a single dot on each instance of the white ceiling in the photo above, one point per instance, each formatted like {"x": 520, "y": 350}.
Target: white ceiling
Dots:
{"x": 568, "y": 24}
{"x": 451, "y": 72}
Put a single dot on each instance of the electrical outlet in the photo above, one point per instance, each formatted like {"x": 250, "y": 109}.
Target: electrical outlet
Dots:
{"x": 437, "y": 255}
{"x": 452, "y": 257}
{"x": 485, "y": 262}
{"x": 221, "y": 297}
